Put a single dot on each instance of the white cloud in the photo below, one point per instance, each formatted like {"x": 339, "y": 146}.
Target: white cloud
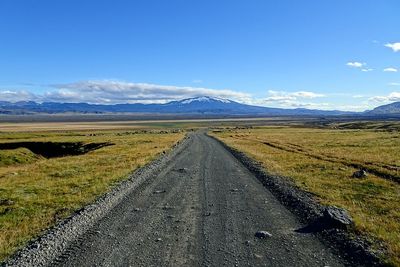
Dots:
{"x": 392, "y": 97}
{"x": 197, "y": 81}
{"x": 278, "y": 98}
{"x": 302, "y": 99}
{"x": 305, "y": 94}
{"x": 359, "y": 65}
{"x": 279, "y": 95}
{"x": 356, "y": 64}
{"x": 18, "y": 95}
{"x": 390, "y": 69}
{"x": 291, "y": 99}
{"x": 394, "y": 46}
{"x": 394, "y": 84}
{"x": 367, "y": 70}
{"x": 112, "y": 92}
{"x": 309, "y": 105}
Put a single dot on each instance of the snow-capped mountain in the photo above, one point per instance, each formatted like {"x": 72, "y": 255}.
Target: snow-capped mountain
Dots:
{"x": 204, "y": 99}
{"x": 198, "y": 105}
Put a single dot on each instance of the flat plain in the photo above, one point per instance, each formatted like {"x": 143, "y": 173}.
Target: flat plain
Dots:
{"x": 38, "y": 190}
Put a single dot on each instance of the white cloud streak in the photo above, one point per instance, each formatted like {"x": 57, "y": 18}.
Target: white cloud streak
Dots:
{"x": 391, "y": 69}
{"x": 297, "y": 99}
{"x": 113, "y": 92}
{"x": 15, "y": 96}
{"x": 394, "y": 46}
{"x": 356, "y": 64}
{"x": 392, "y": 97}
{"x": 279, "y": 95}
{"x": 359, "y": 65}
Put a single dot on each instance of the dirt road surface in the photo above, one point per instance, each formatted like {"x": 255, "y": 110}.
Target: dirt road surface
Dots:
{"x": 203, "y": 209}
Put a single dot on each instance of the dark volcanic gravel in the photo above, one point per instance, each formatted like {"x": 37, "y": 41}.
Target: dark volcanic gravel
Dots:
{"x": 196, "y": 206}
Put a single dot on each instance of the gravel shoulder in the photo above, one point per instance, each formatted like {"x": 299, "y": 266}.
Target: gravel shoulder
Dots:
{"x": 196, "y": 206}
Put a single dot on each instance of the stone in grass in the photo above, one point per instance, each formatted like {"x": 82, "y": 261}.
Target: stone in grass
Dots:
{"x": 262, "y": 234}
{"x": 335, "y": 217}
{"x": 360, "y": 174}
{"x": 182, "y": 170}
{"x": 6, "y": 202}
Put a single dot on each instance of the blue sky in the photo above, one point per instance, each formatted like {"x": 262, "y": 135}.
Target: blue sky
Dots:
{"x": 341, "y": 54}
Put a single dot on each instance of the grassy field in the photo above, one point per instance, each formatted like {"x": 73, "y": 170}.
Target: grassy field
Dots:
{"x": 36, "y": 192}
{"x": 322, "y": 161}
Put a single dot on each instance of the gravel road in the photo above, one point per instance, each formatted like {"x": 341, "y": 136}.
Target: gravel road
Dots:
{"x": 202, "y": 209}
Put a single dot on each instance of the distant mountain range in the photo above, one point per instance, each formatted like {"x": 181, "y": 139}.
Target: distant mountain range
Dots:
{"x": 199, "y": 105}
{"x": 393, "y": 108}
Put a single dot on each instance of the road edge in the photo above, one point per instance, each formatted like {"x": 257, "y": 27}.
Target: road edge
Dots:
{"x": 356, "y": 249}
{"x": 43, "y": 250}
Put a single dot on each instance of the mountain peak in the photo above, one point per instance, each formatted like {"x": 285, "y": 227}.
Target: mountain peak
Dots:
{"x": 205, "y": 99}
{"x": 393, "y": 108}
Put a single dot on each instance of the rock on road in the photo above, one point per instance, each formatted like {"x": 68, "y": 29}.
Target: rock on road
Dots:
{"x": 203, "y": 209}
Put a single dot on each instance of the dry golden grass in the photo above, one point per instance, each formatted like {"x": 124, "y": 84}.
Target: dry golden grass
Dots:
{"x": 34, "y": 194}
{"x": 320, "y": 161}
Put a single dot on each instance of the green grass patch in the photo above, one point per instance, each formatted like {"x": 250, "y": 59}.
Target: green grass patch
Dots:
{"x": 17, "y": 156}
